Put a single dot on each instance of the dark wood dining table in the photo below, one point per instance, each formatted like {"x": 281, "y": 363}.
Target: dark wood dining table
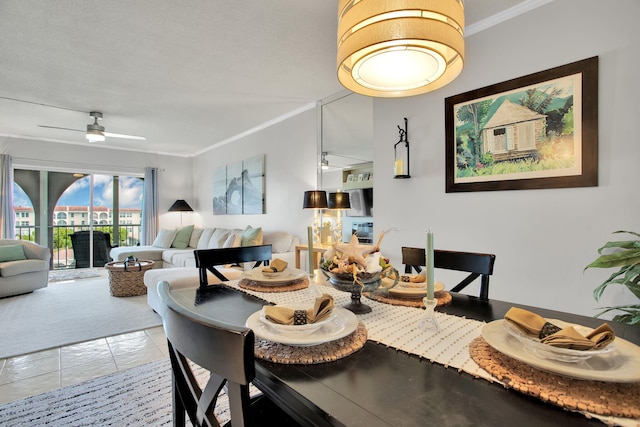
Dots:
{"x": 382, "y": 386}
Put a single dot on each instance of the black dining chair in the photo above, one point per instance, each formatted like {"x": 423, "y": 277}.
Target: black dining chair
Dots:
{"x": 478, "y": 264}
{"x": 209, "y": 259}
{"x": 227, "y": 353}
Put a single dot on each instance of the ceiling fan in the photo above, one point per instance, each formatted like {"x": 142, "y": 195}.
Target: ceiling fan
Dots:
{"x": 95, "y": 132}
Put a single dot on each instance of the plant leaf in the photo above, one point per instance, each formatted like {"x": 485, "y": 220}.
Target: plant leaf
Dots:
{"x": 627, "y": 232}
{"x": 616, "y": 259}
{"x": 627, "y": 244}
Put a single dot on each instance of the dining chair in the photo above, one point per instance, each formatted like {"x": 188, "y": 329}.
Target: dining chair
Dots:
{"x": 209, "y": 259}
{"x": 478, "y": 264}
{"x": 226, "y": 352}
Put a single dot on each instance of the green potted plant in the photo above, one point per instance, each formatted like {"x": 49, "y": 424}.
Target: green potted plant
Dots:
{"x": 626, "y": 255}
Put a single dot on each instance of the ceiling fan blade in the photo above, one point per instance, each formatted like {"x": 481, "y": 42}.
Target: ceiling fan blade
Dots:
{"x": 120, "y": 135}
{"x": 56, "y": 127}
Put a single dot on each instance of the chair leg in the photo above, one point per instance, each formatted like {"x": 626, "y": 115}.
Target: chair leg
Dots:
{"x": 179, "y": 411}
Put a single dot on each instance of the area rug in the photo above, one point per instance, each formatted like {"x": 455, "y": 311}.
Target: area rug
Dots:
{"x": 136, "y": 397}
{"x": 69, "y": 312}
{"x": 83, "y": 273}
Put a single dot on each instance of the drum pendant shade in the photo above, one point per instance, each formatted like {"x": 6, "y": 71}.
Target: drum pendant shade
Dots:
{"x": 396, "y": 48}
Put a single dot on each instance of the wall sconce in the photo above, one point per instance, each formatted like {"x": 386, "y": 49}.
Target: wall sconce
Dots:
{"x": 324, "y": 163}
{"x": 401, "y": 154}
{"x": 399, "y": 48}
{"x": 315, "y": 200}
{"x": 339, "y": 201}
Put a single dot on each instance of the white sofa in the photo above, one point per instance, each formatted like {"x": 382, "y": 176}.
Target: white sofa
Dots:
{"x": 177, "y": 266}
{"x": 166, "y": 252}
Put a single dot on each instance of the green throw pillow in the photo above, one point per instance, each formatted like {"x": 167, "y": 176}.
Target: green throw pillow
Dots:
{"x": 251, "y": 236}
{"x": 11, "y": 253}
{"x": 181, "y": 241}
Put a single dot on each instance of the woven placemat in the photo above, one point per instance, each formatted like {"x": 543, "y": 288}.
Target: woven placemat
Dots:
{"x": 252, "y": 285}
{"x": 603, "y": 398}
{"x": 322, "y": 353}
{"x": 443, "y": 298}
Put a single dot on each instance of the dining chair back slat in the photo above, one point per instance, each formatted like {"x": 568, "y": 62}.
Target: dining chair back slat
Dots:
{"x": 479, "y": 265}
{"x": 209, "y": 259}
{"x": 227, "y": 353}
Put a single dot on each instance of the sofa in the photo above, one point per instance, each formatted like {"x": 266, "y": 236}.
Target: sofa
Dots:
{"x": 172, "y": 252}
{"x": 174, "y": 248}
{"x": 24, "y": 267}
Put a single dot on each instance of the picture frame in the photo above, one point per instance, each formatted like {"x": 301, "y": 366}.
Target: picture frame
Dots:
{"x": 533, "y": 132}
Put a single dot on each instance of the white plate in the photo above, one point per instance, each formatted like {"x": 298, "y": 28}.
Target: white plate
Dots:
{"x": 621, "y": 365}
{"x": 342, "y": 324}
{"x": 287, "y": 276}
{"x": 296, "y": 330}
{"x": 546, "y": 351}
{"x": 414, "y": 292}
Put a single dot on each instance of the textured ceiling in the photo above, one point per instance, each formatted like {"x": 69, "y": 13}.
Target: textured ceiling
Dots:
{"x": 186, "y": 75}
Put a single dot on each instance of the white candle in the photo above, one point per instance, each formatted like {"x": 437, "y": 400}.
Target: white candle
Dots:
{"x": 429, "y": 264}
{"x": 311, "y": 267}
{"x": 399, "y": 167}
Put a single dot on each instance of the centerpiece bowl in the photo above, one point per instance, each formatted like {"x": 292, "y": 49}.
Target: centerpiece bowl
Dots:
{"x": 346, "y": 283}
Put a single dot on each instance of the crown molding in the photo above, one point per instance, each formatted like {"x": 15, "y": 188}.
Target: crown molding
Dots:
{"x": 505, "y": 15}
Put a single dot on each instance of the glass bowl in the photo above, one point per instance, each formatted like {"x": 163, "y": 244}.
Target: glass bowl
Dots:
{"x": 546, "y": 351}
{"x": 296, "y": 330}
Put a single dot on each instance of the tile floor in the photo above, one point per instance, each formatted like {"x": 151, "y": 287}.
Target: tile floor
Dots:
{"x": 34, "y": 373}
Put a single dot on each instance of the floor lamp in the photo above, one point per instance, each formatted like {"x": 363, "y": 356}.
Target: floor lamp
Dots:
{"x": 180, "y": 206}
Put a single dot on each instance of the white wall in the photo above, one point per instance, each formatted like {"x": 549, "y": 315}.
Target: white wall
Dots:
{"x": 290, "y": 170}
{"x": 174, "y": 178}
{"x": 542, "y": 239}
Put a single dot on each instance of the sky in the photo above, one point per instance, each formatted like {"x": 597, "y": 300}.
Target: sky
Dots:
{"x": 78, "y": 193}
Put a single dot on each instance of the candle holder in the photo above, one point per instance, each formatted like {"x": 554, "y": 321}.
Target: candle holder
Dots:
{"x": 401, "y": 154}
{"x": 430, "y": 322}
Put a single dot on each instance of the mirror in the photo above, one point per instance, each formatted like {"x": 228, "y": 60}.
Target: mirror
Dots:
{"x": 346, "y": 147}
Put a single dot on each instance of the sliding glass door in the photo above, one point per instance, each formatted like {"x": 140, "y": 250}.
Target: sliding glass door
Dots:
{"x": 97, "y": 211}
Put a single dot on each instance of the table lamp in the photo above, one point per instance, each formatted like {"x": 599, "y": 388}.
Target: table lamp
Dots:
{"x": 315, "y": 200}
{"x": 339, "y": 201}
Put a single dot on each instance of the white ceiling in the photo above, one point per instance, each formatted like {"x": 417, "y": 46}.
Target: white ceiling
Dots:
{"x": 186, "y": 75}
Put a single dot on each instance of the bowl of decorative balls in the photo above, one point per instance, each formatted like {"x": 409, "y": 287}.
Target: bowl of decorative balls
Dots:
{"x": 355, "y": 268}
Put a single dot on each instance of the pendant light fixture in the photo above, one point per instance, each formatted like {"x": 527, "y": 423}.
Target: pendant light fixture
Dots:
{"x": 401, "y": 47}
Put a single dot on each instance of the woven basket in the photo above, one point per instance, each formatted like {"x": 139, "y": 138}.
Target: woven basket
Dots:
{"x": 127, "y": 282}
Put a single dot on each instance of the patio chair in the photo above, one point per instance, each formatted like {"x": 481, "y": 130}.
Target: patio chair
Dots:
{"x": 101, "y": 248}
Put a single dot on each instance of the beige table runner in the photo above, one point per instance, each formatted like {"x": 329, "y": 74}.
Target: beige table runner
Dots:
{"x": 397, "y": 327}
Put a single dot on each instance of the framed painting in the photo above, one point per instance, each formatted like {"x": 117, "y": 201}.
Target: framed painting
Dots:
{"x": 536, "y": 131}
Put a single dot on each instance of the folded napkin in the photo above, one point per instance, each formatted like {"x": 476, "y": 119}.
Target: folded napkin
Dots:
{"x": 276, "y": 266}
{"x": 537, "y": 326}
{"x": 288, "y": 316}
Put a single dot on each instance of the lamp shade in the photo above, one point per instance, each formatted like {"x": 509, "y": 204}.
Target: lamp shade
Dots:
{"x": 315, "y": 200}
{"x": 180, "y": 206}
{"x": 401, "y": 47}
{"x": 339, "y": 201}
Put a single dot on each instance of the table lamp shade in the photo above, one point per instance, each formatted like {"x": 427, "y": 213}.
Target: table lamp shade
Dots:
{"x": 180, "y": 206}
{"x": 315, "y": 200}
{"x": 339, "y": 201}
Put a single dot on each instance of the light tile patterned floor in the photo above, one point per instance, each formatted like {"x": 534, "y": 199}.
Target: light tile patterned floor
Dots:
{"x": 34, "y": 373}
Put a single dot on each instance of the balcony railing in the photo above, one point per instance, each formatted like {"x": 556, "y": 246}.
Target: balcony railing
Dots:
{"x": 61, "y": 249}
